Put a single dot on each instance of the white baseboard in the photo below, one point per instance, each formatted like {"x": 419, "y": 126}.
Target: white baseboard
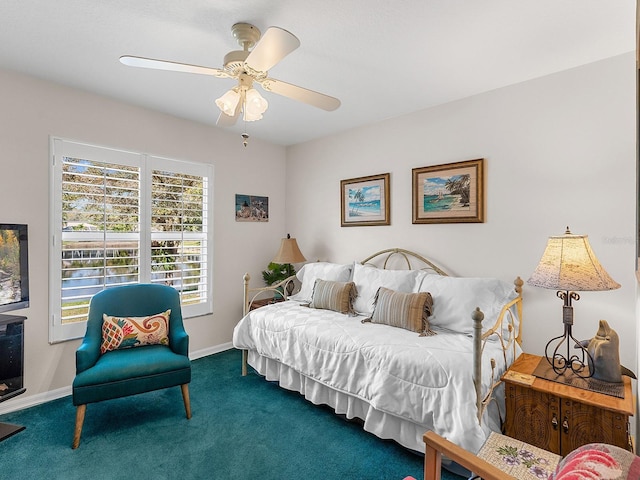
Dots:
{"x": 210, "y": 350}
{"x": 21, "y": 402}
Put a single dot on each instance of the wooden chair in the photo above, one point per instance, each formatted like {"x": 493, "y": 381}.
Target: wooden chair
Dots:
{"x": 436, "y": 446}
{"x": 587, "y": 456}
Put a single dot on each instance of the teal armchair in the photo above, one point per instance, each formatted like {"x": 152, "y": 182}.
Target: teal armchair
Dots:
{"x": 129, "y": 371}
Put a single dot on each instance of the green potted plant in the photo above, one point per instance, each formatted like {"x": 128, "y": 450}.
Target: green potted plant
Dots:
{"x": 276, "y": 272}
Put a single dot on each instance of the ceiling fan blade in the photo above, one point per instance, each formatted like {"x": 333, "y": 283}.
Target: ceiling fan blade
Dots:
{"x": 225, "y": 120}
{"x": 171, "y": 66}
{"x": 304, "y": 95}
{"x": 275, "y": 44}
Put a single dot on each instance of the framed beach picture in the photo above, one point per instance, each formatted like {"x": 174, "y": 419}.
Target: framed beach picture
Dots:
{"x": 365, "y": 201}
{"x": 252, "y": 208}
{"x": 449, "y": 193}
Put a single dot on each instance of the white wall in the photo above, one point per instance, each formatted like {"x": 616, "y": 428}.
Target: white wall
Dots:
{"x": 31, "y": 110}
{"x": 559, "y": 150}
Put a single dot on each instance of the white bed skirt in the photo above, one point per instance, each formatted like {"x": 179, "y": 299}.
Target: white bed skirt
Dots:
{"x": 381, "y": 424}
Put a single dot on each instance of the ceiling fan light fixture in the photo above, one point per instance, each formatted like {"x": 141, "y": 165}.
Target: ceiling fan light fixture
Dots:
{"x": 255, "y": 105}
{"x": 249, "y": 117}
{"x": 228, "y": 102}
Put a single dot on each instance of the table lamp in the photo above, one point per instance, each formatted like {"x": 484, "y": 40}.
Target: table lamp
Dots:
{"x": 289, "y": 252}
{"x": 568, "y": 265}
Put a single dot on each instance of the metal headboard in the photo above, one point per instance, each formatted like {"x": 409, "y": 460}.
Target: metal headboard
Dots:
{"x": 410, "y": 258}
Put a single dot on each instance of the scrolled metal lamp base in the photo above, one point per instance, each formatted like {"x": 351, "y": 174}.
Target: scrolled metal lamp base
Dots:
{"x": 580, "y": 363}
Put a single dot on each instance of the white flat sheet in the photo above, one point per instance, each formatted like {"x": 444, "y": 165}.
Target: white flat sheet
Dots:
{"x": 401, "y": 384}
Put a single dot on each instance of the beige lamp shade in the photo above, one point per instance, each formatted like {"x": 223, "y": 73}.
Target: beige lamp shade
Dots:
{"x": 569, "y": 264}
{"x": 289, "y": 252}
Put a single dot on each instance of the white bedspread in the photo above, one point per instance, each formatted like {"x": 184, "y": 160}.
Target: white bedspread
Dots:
{"x": 401, "y": 384}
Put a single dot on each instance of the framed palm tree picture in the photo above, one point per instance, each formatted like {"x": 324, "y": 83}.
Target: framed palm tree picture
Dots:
{"x": 449, "y": 193}
{"x": 365, "y": 201}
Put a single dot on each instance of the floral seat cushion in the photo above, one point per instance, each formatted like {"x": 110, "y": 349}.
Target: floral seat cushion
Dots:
{"x": 517, "y": 458}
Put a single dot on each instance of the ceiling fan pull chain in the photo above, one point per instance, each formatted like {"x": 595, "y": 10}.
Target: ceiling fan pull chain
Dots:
{"x": 245, "y": 135}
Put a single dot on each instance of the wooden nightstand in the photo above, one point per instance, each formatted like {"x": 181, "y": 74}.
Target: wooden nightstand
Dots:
{"x": 561, "y": 418}
{"x": 264, "y": 301}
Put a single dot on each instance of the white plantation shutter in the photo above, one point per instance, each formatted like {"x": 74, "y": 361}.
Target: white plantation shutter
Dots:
{"x": 100, "y": 231}
{"x": 179, "y": 211}
{"x": 119, "y": 218}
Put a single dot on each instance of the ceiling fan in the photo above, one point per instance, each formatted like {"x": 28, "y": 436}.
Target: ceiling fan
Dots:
{"x": 248, "y": 66}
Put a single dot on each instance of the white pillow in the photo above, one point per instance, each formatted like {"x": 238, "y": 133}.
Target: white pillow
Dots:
{"x": 369, "y": 279}
{"x": 310, "y": 272}
{"x": 455, "y": 299}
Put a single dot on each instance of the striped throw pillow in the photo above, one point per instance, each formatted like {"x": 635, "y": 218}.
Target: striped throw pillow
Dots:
{"x": 410, "y": 311}
{"x": 336, "y": 296}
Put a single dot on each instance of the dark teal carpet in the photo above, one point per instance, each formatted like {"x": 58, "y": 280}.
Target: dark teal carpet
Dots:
{"x": 242, "y": 428}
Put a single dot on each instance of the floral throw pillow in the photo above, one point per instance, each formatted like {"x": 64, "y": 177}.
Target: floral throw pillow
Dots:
{"x": 127, "y": 332}
{"x": 598, "y": 461}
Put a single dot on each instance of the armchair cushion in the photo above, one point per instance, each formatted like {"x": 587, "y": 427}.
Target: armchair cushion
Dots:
{"x": 131, "y": 371}
{"x": 127, "y": 332}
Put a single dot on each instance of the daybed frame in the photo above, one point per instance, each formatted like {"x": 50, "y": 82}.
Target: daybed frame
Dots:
{"x": 395, "y": 257}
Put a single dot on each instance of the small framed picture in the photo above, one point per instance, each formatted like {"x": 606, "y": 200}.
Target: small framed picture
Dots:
{"x": 449, "y": 193}
{"x": 252, "y": 208}
{"x": 365, "y": 201}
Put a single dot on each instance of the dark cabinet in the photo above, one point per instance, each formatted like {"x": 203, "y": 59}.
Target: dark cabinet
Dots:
{"x": 11, "y": 356}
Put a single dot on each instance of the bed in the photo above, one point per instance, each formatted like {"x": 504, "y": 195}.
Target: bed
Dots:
{"x": 391, "y": 340}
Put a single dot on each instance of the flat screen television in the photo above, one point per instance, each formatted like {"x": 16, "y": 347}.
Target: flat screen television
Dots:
{"x": 14, "y": 267}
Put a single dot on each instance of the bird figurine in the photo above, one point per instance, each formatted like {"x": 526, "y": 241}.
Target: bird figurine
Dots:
{"x": 604, "y": 351}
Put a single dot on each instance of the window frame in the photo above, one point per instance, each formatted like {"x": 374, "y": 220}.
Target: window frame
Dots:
{"x": 147, "y": 163}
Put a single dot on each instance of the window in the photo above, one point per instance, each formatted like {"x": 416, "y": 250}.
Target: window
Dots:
{"x": 119, "y": 218}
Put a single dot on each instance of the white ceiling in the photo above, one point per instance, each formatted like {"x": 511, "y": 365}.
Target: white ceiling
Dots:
{"x": 381, "y": 58}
